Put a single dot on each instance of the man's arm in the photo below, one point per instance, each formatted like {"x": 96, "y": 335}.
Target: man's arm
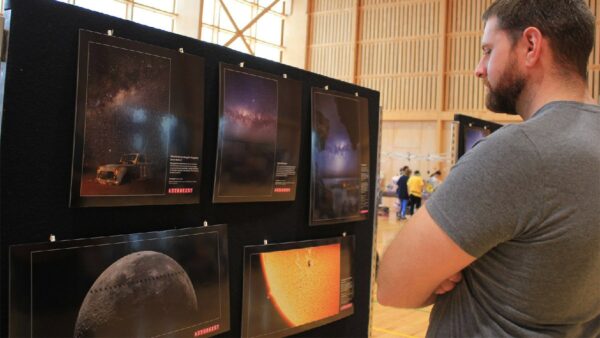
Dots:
{"x": 421, "y": 261}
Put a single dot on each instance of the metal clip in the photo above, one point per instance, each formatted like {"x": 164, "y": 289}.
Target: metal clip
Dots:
{"x": 344, "y": 234}
{"x": 356, "y": 94}
{"x": 326, "y": 87}
{"x": 181, "y": 50}
{"x": 285, "y": 76}
{"x": 265, "y": 241}
{"x": 110, "y": 32}
{"x": 205, "y": 224}
{"x": 52, "y": 238}
{"x": 241, "y": 64}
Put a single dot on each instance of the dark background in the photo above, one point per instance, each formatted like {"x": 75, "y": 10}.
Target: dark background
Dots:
{"x": 36, "y": 151}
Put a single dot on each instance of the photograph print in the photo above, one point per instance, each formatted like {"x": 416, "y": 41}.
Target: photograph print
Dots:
{"x": 296, "y": 286}
{"x": 471, "y": 130}
{"x": 474, "y": 134}
{"x": 171, "y": 283}
{"x": 259, "y": 137}
{"x": 138, "y": 125}
{"x": 340, "y": 158}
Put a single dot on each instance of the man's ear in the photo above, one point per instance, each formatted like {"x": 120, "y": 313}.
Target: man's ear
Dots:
{"x": 532, "y": 37}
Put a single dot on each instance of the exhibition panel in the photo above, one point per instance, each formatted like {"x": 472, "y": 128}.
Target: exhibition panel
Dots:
{"x": 119, "y": 140}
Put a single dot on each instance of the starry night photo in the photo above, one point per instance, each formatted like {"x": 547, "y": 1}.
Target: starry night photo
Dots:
{"x": 127, "y": 122}
{"x": 336, "y": 157}
{"x": 248, "y": 135}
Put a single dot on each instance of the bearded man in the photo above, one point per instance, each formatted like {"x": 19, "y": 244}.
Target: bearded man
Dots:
{"x": 509, "y": 245}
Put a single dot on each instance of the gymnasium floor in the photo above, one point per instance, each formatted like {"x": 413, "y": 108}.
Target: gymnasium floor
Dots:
{"x": 389, "y": 322}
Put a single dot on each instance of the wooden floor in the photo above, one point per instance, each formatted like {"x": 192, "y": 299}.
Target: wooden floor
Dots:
{"x": 390, "y": 322}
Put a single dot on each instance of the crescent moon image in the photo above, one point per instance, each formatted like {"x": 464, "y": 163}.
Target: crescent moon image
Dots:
{"x": 143, "y": 294}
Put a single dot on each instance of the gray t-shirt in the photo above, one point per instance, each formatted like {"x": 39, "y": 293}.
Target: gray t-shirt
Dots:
{"x": 526, "y": 202}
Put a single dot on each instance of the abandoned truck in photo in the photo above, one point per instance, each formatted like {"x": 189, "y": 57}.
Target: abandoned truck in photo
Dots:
{"x": 131, "y": 167}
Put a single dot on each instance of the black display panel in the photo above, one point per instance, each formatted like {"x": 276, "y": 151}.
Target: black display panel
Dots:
{"x": 139, "y": 118}
{"x": 259, "y": 136}
{"x": 170, "y": 283}
{"x": 293, "y": 287}
{"x": 339, "y": 157}
{"x": 471, "y": 130}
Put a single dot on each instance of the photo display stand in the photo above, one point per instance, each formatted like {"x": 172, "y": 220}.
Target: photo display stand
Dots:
{"x": 293, "y": 287}
{"x": 171, "y": 283}
{"x": 259, "y": 136}
{"x": 339, "y": 190}
{"x": 471, "y": 130}
{"x": 138, "y": 137}
{"x": 92, "y": 100}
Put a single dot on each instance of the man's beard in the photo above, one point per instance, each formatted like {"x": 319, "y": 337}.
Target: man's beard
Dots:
{"x": 503, "y": 98}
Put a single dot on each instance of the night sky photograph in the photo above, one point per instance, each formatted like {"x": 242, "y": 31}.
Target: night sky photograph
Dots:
{"x": 248, "y": 135}
{"x": 127, "y": 111}
{"x": 336, "y": 157}
{"x": 474, "y": 134}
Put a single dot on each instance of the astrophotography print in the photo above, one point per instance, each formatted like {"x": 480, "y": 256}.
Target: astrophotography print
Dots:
{"x": 138, "y": 135}
{"x": 474, "y": 134}
{"x": 127, "y": 122}
{"x": 336, "y": 158}
{"x": 290, "y": 288}
{"x": 165, "y": 285}
{"x": 247, "y": 135}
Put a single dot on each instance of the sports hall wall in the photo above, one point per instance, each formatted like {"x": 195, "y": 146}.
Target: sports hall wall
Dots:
{"x": 36, "y": 141}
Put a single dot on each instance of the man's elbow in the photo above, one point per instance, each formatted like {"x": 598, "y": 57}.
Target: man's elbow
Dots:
{"x": 397, "y": 296}
{"x": 387, "y": 295}
{"x": 383, "y": 297}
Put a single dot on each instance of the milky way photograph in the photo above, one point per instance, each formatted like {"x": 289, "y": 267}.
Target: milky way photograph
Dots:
{"x": 129, "y": 123}
{"x": 127, "y": 112}
{"x": 254, "y": 136}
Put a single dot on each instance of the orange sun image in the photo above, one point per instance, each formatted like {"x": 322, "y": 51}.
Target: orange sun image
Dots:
{"x": 304, "y": 284}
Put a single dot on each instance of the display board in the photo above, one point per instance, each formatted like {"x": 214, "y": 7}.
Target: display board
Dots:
{"x": 138, "y": 137}
{"x": 259, "y": 136}
{"x": 339, "y": 158}
{"x": 293, "y": 287}
{"x": 170, "y": 283}
{"x": 471, "y": 130}
{"x": 41, "y": 108}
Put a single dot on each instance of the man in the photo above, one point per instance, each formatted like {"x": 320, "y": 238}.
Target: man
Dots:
{"x": 415, "y": 190}
{"x": 402, "y": 191}
{"x": 498, "y": 255}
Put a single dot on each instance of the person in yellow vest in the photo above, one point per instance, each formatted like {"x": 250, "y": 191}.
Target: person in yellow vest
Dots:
{"x": 415, "y": 189}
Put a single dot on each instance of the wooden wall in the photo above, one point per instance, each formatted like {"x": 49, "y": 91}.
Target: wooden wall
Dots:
{"x": 420, "y": 55}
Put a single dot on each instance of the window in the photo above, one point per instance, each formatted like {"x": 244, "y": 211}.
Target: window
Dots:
{"x": 250, "y": 26}
{"x": 155, "y": 13}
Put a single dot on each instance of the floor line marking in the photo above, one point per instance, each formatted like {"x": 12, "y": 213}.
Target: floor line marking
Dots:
{"x": 395, "y": 333}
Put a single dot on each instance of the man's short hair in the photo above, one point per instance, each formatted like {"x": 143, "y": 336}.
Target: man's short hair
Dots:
{"x": 569, "y": 25}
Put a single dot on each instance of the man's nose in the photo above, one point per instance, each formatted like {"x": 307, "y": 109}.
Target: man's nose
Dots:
{"x": 480, "y": 70}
